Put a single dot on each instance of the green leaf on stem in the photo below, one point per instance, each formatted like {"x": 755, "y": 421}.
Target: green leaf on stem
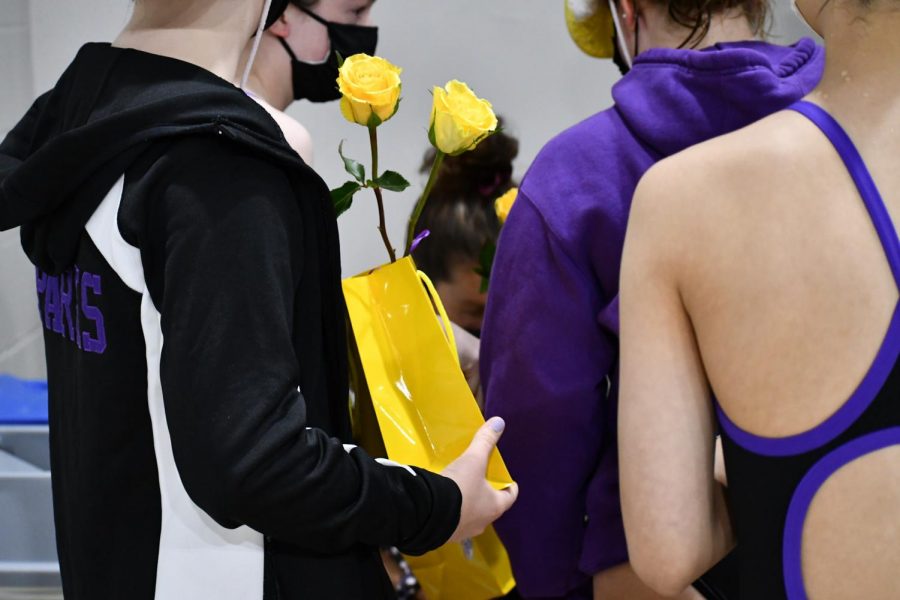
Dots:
{"x": 356, "y": 169}
{"x": 343, "y": 196}
{"x": 391, "y": 180}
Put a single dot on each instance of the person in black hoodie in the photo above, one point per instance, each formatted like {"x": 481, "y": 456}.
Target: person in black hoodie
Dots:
{"x": 188, "y": 280}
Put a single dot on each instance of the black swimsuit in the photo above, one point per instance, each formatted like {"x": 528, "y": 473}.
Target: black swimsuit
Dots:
{"x": 772, "y": 481}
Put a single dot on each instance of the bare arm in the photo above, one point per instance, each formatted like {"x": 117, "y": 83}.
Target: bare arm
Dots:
{"x": 622, "y": 583}
{"x": 676, "y": 520}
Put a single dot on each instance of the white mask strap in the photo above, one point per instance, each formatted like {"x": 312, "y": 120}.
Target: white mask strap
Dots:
{"x": 620, "y": 37}
{"x": 256, "y": 41}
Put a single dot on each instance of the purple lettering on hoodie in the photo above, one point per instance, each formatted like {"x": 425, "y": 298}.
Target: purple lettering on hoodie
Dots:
{"x": 52, "y": 315}
{"x": 41, "y": 281}
{"x": 77, "y": 280}
{"x": 65, "y": 300}
{"x": 89, "y": 281}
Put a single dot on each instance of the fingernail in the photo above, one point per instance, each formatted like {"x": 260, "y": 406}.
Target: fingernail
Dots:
{"x": 468, "y": 548}
{"x": 497, "y": 424}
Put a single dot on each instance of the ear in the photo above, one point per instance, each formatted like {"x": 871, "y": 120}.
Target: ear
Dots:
{"x": 280, "y": 28}
{"x": 628, "y": 13}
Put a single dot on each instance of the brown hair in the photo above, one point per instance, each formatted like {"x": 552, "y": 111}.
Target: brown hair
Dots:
{"x": 696, "y": 15}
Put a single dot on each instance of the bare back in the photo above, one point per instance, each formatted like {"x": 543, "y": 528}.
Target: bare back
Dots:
{"x": 791, "y": 297}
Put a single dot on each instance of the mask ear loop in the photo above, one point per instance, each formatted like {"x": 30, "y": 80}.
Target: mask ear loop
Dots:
{"x": 620, "y": 38}
{"x": 324, "y": 23}
{"x": 288, "y": 49}
{"x": 256, "y": 41}
{"x": 314, "y": 16}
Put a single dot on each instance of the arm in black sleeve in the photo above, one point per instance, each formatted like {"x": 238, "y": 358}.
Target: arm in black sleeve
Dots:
{"x": 14, "y": 149}
{"x": 227, "y": 230}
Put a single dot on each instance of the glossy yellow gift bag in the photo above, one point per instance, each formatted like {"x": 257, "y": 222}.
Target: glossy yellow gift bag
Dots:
{"x": 412, "y": 404}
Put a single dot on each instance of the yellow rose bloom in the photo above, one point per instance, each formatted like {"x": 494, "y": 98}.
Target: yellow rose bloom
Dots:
{"x": 370, "y": 86}
{"x": 504, "y": 204}
{"x": 459, "y": 119}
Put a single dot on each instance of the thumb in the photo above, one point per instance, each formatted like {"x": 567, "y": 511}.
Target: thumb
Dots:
{"x": 486, "y": 439}
{"x": 508, "y": 497}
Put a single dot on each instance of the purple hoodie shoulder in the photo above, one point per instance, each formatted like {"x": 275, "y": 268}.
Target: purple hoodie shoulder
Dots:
{"x": 581, "y": 184}
{"x": 550, "y": 337}
{"x": 582, "y": 181}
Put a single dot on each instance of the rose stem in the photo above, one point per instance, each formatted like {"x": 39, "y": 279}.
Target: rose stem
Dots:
{"x": 420, "y": 205}
{"x": 373, "y": 142}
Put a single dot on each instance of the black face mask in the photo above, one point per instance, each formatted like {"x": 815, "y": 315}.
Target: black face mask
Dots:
{"x": 617, "y": 57}
{"x": 318, "y": 82}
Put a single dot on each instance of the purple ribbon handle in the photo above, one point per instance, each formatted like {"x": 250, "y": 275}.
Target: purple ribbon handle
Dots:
{"x": 418, "y": 240}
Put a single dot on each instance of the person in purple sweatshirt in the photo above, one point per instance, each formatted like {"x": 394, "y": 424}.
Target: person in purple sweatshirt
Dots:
{"x": 550, "y": 345}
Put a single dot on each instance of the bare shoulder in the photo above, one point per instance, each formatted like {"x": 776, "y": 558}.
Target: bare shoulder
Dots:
{"x": 740, "y": 171}
{"x": 297, "y": 135}
{"x": 726, "y": 169}
{"x": 725, "y": 187}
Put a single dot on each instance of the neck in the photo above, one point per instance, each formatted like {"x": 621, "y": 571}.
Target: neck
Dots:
{"x": 211, "y": 35}
{"x": 271, "y": 78}
{"x": 727, "y": 26}
{"x": 861, "y": 82}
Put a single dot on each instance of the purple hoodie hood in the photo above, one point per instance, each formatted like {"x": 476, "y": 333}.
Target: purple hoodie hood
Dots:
{"x": 672, "y": 100}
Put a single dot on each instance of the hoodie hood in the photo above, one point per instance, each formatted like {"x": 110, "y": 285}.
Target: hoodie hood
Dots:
{"x": 673, "y": 99}
{"x": 59, "y": 162}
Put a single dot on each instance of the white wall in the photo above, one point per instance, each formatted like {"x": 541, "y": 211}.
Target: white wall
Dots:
{"x": 60, "y": 27}
{"x": 21, "y": 348}
{"x": 514, "y": 52}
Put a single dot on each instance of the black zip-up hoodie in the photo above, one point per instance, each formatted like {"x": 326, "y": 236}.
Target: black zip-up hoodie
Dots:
{"x": 188, "y": 280}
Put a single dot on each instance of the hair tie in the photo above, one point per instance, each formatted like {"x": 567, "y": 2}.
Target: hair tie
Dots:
{"x": 490, "y": 189}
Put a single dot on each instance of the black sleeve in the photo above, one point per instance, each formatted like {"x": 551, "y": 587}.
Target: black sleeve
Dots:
{"x": 226, "y": 227}
{"x": 14, "y": 149}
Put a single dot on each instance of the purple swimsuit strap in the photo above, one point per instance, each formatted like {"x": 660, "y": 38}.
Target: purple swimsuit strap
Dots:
{"x": 861, "y": 177}
{"x": 887, "y": 356}
{"x": 792, "y": 550}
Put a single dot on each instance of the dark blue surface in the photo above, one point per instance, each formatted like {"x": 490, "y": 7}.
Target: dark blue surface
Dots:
{"x": 22, "y": 402}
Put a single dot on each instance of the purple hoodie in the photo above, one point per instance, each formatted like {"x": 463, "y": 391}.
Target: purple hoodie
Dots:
{"x": 549, "y": 349}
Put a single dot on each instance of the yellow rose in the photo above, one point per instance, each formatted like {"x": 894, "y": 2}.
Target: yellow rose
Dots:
{"x": 371, "y": 89}
{"x": 459, "y": 119}
{"x": 504, "y": 204}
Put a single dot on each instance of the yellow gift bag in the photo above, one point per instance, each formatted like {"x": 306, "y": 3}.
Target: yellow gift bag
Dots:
{"x": 413, "y": 405}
